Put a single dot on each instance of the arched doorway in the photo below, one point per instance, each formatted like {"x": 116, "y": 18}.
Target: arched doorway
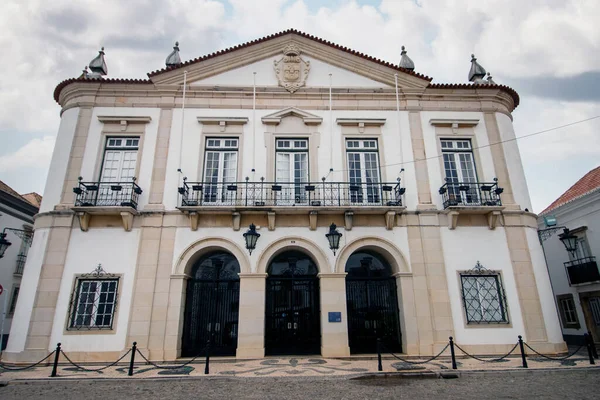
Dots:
{"x": 372, "y": 301}
{"x": 292, "y": 314}
{"x": 212, "y": 305}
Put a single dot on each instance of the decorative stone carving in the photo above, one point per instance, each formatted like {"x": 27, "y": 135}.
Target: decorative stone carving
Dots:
{"x": 291, "y": 69}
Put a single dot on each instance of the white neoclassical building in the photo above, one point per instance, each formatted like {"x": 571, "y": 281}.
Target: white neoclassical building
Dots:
{"x": 144, "y": 231}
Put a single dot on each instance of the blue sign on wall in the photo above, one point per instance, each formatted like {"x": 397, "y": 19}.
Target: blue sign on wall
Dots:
{"x": 335, "y": 316}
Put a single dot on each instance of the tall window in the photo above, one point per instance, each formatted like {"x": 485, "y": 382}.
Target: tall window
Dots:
{"x": 13, "y": 300}
{"x": 22, "y": 256}
{"x": 291, "y": 169}
{"x": 568, "y": 312}
{"x": 483, "y": 296}
{"x": 459, "y": 167}
{"x": 363, "y": 170}
{"x": 93, "y": 304}
{"x": 220, "y": 167}
{"x": 120, "y": 160}
{"x": 582, "y": 250}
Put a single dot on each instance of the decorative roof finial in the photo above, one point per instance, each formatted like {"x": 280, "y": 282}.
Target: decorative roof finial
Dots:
{"x": 173, "y": 59}
{"x": 405, "y": 61}
{"x": 477, "y": 72}
{"x": 84, "y": 72}
{"x": 98, "y": 66}
{"x": 490, "y": 81}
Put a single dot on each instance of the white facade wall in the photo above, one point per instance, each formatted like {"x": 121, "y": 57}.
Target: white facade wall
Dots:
{"x": 60, "y": 160}
{"x": 490, "y": 249}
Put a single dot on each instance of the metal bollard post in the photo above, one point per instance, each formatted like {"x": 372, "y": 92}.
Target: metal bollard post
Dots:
{"x": 56, "y": 356}
{"x": 594, "y": 350}
{"x": 523, "y": 356}
{"x": 452, "y": 353}
{"x": 588, "y": 345}
{"x": 206, "y": 367}
{"x": 132, "y": 360}
{"x": 379, "y": 365}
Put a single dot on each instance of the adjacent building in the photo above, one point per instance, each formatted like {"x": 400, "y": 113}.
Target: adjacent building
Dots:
{"x": 575, "y": 275}
{"x": 204, "y": 205}
{"x": 16, "y": 212}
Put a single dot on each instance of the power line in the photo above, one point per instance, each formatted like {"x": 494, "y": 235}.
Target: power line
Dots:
{"x": 487, "y": 145}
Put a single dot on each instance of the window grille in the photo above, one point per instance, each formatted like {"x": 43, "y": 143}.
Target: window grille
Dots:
{"x": 483, "y": 296}
{"x": 13, "y": 300}
{"x": 94, "y": 301}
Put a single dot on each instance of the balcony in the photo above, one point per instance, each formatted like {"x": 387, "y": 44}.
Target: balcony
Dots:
{"x": 583, "y": 270}
{"x": 106, "y": 198}
{"x": 472, "y": 198}
{"x": 292, "y": 197}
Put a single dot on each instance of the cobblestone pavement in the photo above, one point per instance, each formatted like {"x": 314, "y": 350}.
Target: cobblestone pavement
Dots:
{"x": 563, "y": 384}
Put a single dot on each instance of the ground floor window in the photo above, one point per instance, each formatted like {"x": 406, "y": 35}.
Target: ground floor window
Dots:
{"x": 483, "y": 296}
{"x": 93, "y": 302}
{"x": 568, "y": 312}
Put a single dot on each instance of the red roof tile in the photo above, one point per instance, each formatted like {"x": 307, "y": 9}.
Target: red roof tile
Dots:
{"x": 5, "y": 188}
{"x": 589, "y": 183}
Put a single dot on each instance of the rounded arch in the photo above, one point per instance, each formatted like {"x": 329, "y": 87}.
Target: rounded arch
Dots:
{"x": 204, "y": 246}
{"x": 381, "y": 246}
{"x": 292, "y": 243}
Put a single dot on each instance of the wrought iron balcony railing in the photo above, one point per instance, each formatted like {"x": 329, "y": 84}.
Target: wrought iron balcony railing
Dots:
{"x": 582, "y": 270}
{"x": 21, "y": 258}
{"x": 282, "y": 194}
{"x": 471, "y": 194}
{"x": 107, "y": 194}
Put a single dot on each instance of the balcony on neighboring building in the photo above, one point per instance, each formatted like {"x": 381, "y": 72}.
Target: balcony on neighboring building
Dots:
{"x": 582, "y": 270}
{"x": 293, "y": 197}
{"x": 472, "y": 198}
{"x": 106, "y": 198}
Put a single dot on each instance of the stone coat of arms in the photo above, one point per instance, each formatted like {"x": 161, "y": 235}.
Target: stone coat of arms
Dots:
{"x": 291, "y": 69}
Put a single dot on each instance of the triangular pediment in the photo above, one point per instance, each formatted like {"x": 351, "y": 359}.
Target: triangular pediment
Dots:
{"x": 320, "y": 58}
{"x": 307, "y": 118}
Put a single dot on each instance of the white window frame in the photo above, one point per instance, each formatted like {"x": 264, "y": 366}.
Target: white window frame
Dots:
{"x": 293, "y": 185}
{"x": 224, "y": 149}
{"x": 488, "y": 314}
{"x": 365, "y": 186}
{"x": 83, "y": 313}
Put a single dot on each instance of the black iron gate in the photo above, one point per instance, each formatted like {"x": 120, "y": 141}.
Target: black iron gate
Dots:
{"x": 212, "y": 306}
{"x": 292, "y": 316}
{"x": 372, "y": 314}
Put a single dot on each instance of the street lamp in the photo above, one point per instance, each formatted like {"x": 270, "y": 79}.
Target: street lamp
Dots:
{"x": 569, "y": 240}
{"x": 251, "y": 236}
{"x": 25, "y": 235}
{"x": 334, "y": 238}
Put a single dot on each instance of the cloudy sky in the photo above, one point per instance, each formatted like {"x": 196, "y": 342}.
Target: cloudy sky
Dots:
{"x": 545, "y": 49}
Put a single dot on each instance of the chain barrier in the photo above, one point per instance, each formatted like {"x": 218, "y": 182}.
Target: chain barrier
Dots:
{"x": 416, "y": 362}
{"x": 94, "y": 369}
{"x": 169, "y": 366}
{"x": 3, "y": 366}
{"x": 487, "y": 359}
{"x": 555, "y": 358}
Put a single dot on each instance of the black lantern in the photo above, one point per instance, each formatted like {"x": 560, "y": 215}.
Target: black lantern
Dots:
{"x": 3, "y": 244}
{"x": 251, "y": 236}
{"x": 334, "y": 238}
{"x": 569, "y": 240}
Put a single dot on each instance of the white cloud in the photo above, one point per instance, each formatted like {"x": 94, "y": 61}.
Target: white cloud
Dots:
{"x": 36, "y": 154}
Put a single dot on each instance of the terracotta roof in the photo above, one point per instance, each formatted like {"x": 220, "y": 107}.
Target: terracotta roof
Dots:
{"x": 282, "y": 33}
{"x": 507, "y": 89}
{"x": 589, "y": 183}
{"x": 66, "y": 82}
{"x": 34, "y": 198}
{"x": 5, "y": 188}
